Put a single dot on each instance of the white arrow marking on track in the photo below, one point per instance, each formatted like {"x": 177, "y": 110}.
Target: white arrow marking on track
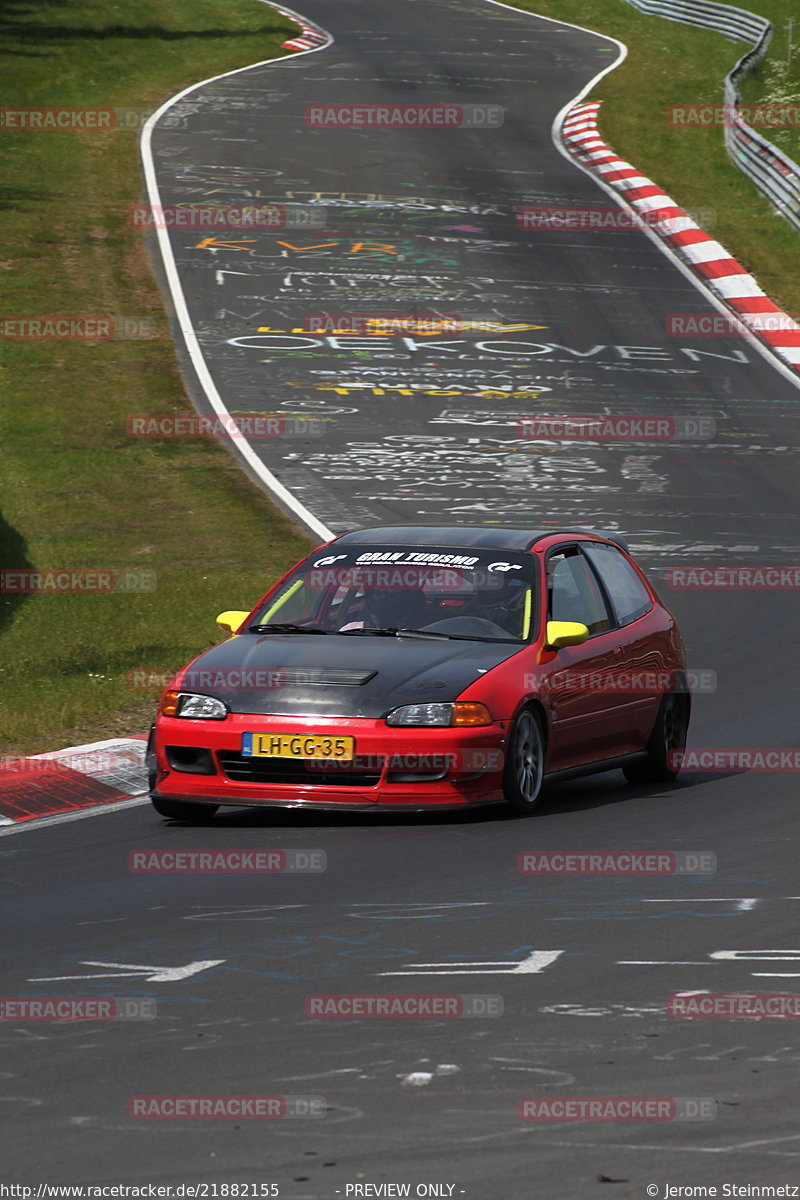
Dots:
{"x": 758, "y": 955}
{"x": 765, "y": 956}
{"x": 744, "y": 904}
{"x": 717, "y": 957}
{"x": 535, "y": 962}
{"x": 151, "y": 974}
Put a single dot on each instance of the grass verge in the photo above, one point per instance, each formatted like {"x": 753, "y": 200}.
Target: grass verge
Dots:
{"x": 75, "y": 491}
{"x": 670, "y": 64}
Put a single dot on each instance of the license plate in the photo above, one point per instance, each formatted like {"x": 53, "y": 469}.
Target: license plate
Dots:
{"x": 298, "y": 745}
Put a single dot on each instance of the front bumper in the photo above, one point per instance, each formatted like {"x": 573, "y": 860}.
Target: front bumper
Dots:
{"x": 394, "y": 768}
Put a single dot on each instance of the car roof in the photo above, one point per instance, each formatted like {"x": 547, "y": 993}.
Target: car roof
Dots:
{"x": 479, "y": 536}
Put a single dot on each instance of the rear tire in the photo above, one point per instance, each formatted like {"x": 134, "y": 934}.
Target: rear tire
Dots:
{"x": 667, "y": 741}
{"x": 183, "y": 810}
{"x": 524, "y": 768}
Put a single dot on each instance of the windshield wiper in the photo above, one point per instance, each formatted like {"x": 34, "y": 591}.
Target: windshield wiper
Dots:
{"x": 423, "y": 633}
{"x": 457, "y": 637}
{"x": 285, "y": 629}
{"x": 389, "y": 632}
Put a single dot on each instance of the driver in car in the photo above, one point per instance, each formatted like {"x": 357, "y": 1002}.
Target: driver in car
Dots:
{"x": 501, "y": 606}
{"x": 402, "y": 608}
{"x": 408, "y": 608}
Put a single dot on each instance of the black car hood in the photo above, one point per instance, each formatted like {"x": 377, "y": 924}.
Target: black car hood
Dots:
{"x": 338, "y": 675}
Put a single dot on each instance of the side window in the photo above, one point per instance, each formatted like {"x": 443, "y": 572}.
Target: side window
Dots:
{"x": 574, "y": 594}
{"x": 628, "y": 594}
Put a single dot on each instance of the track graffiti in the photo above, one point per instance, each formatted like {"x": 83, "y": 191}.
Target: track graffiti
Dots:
{"x": 404, "y": 235}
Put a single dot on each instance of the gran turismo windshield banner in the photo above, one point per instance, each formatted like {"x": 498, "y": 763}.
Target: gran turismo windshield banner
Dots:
{"x": 458, "y": 592}
{"x": 409, "y": 568}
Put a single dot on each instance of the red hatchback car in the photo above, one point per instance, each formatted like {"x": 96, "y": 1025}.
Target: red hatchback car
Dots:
{"x": 417, "y": 667}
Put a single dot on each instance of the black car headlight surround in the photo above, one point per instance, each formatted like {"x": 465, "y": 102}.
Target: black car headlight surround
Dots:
{"x": 459, "y": 713}
{"x": 193, "y": 706}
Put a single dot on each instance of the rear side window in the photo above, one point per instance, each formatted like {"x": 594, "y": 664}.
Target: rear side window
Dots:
{"x": 628, "y": 595}
{"x": 574, "y": 593}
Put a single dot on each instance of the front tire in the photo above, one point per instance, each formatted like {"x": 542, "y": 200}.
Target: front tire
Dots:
{"x": 667, "y": 742}
{"x": 183, "y": 810}
{"x": 524, "y": 768}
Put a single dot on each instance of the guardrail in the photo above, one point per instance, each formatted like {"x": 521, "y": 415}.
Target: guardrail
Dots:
{"x": 775, "y": 174}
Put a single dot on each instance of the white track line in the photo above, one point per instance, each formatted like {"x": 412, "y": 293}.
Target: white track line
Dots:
{"x": 258, "y": 468}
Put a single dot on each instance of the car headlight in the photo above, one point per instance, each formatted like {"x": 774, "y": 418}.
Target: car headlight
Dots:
{"x": 189, "y": 704}
{"x": 461, "y": 713}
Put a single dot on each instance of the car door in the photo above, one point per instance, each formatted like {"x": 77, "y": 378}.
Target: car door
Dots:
{"x": 643, "y": 647}
{"x": 586, "y": 711}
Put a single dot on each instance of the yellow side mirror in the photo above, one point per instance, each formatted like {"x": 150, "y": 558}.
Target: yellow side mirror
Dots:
{"x": 231, "y": 619}
{"x": 565, "y": 633}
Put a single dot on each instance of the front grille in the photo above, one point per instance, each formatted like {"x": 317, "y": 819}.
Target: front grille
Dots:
{"x": 241, "y": 768}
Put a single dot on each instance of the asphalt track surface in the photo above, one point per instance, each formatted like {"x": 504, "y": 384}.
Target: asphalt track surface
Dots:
{"x": 435, "y": 1101}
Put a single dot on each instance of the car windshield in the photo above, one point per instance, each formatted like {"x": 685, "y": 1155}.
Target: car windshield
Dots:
{"x": 388, "y": 591}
